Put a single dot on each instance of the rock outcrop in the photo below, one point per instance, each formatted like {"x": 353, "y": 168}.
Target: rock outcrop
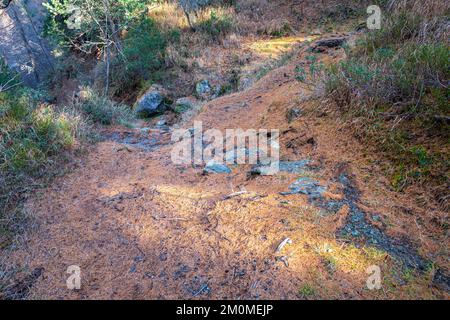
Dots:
{"x": 21, "y": 43}
{"x": 152, "y": 102}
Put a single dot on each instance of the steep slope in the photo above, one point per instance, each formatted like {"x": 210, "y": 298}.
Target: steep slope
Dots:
{"x": 141, "y": 227}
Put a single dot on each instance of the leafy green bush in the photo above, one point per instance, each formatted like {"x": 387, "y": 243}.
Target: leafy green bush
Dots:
{"x": 310, "y": 71}
{"x": 217, "y": 25}
{"x": 143, "y": 56}
{"x": 399, "y": 64}
{"x": 127, "y": 43}
{"x": 97, "y": 21}
{"x": 391, "y": 76}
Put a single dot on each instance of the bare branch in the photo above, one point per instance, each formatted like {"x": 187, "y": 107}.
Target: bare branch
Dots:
{"x": 9, "y": 84}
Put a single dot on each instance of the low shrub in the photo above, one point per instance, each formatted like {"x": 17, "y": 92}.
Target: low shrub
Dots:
{"x": 143, "y": 58}
{"x": 104, "y": 111}
{"x": 33, "y": 137}
{"x": 217, "y": 25}
{"x": 402, "y": 76}
{"x": 393, "y": 89}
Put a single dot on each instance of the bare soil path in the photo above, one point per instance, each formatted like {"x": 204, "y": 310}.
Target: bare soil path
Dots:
{"x": 141, "y": 227}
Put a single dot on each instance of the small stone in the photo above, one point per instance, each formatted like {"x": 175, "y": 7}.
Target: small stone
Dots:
{"x": 284, "y": 166}
{"x": 260, "y": 170}
{"x": 216, "y": 167}
{"x": 244, "y": 83}
{"x": 161, "y": 123}
{"x": 294, "y": 114}
{"x": 376, "y": 217}
{"x": 181, "y": 272}
{"x": 306, "y": 186}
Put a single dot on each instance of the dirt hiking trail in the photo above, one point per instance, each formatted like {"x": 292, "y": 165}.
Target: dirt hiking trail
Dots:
{"x": 141, "y": 227}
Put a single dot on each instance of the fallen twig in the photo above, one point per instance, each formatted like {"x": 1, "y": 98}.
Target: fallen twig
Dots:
{"x": 283, "y": 244}
{"x": 169, "y": 218}
{"x": 234, "y": 194}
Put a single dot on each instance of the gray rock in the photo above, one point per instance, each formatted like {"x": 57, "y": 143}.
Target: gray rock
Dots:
{"x": 293, "y": 166}
{"x": 333, "y": 206}
{"x": 358, "y": 226}
{"x": 245, "y": 83}
{"x": 306, "y": 186}
{"x": 216, "y": 167}
{"x": 161, "y": 123}
{"x": 186, "y": 108}
{"x": 203, "y": 89}
{"x": 324, "y": 44}
{"x": 293, "y": 114}
{"x": 22, "y": 46}
{"x": 441, "y": 280}
{"x": 231, "y": 157}
{"x": 331, "y": 42}
{"x": 284, "y": 166}
{"x": 261, "y": 170}
{"x": 151, "y": 103}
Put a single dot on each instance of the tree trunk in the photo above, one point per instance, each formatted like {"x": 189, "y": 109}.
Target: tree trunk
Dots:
{"x": 108, "y": 43}
{"x": 189, "y": 19}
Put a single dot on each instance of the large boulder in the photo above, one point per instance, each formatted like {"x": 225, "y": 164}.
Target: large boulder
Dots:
{"x": 152, "y": 102}
{"x": 22, "y": 46}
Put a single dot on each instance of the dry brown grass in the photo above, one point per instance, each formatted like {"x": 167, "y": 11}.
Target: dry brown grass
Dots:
{"x": 433, "y": 15}
{"x": 247, "y": 45}
{"x": 169, "y": 15}
{"x": 426, "y": 8}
